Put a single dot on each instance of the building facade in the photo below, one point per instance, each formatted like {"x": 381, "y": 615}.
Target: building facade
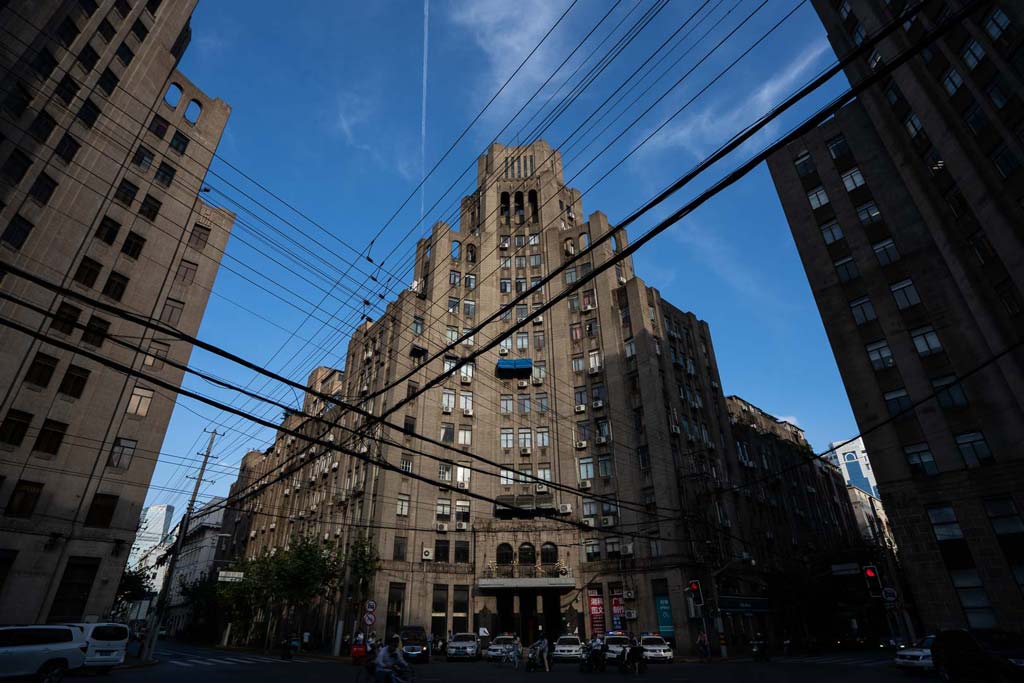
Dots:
{"x": 852, "y": 459}
{"x": 618, "y": 425}
{"x": 204, "y": 550}
{"x": 905, "y": 208}
{"x": 103, "y": 146}
{"x": 154, "y": 525}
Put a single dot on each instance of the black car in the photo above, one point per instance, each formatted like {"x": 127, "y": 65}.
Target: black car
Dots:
{"x": 414, "y": 644}
{"x": 983, "y": 655}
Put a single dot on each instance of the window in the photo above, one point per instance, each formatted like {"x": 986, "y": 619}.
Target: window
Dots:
{"x": 920, "y": 461}
{"x": 817, "y": 197}
{"x": 44, "y": 63}
{"x": 525, "y": 437}
{"x": 398, "y": 549}
{"x": 140, "y": 30}
{"x": 40, "y": 372}
{"x": 24, "y": 499}
{"x": 594, "y": 358}
{"x": 846, "y": 269}
{"x": 66, "y": 318}
{"x": 42, "y": 126}
{"x": 14, "y": 427}
{"x": 133, "y": 245}
{"x": 1005, "y": 160}
{"x": 164, "y": 174}
{"x": 575, "y": 331}
{"x": 886, "y": 252}
{"x": 126, "y": 55}
{"x": 101, "y": 511}
{"x": 997, "y": 93}
{"x": 505, "y": 285}
{"x": 122, "y": 452}
{"x": 158, "y": 126}
{"x": 831, "y": 232}
{"x": 460, "y": 556}
{"x": 179, "y": 142}
{"x": 926, "y": 341}
{"x": 949, "y": 393}
{"x": 507, "y": 437}
{"x": 89, "y": 113}
{"x": 454, "y": 277}
{"x": 506, "y": 475}
{"x": 50, "y": 437}
{"x": 996, "y": 23}
{"x": 150, "y": 207}
{"x": 897, "y": 402}
{"x": 505, "y": 404}
{"x": 859, "y": 34}
{"x": 880, "y": 355}
{"x": 541, "y": 403}
{"x": 139, "y": 402}
{"x": 974, "y": 449}
{"x": 470, "y": 281}
{"x": 172, "y": 311}
{"x": 586, "y": 467}
{"x": 975, "y": 119}
{"x": 853, "y": 179}
{"x": 905, "y": 294}
{"x": 522, "y": 341}
{"x": 42, "y": 188}
{"x": 536, "y": 260}
{"x": 108, "y": 81}
{"x": 88, "y": 271}
{"x": 972, "y": 53}
{"x": 448, "y": 432}
{"x": 570, "y": 276}
{"x": 402, "y": 505}
{"x": 67, "y": 32}
{"x": 115, "y": 286}
{"x": 465, "y": 435}
{"x": 543, "y": 437}
{"x": 868, "y": 213}
{"x": 952, "y": 81}
{"x": 67, "y": 148}
{"x": 409, "y": 425}
{"x": 944, "y": 523}
{"x": 863, "y": 311}
{"x": 126, "y": 192}
{"x": 199, "y": 237}
{"x": 186, "y": 274}
{"x": 844, "y": 10}
{"x": 88, "y": 57}
{"x": 74, "y": 381}
{"x": 443, "y": 509}
{"x": 143, "y": 158}
{"x": 523, "y": 401}
{"x": 592, "y": 550}
{"x": 66, "y": 89}
{"x": 156, "y": 355}
{"x": 804, "y": 165}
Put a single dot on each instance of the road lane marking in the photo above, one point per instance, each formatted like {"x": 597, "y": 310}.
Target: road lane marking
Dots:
{"x": 180, "y": 663}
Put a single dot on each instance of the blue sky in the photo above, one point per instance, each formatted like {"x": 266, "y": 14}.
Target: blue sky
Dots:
{"x": 326, "y": 102}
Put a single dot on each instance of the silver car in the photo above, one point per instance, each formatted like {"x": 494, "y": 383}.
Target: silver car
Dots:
{"x": 499, "y": 646}
{"x": 463, "y": 646}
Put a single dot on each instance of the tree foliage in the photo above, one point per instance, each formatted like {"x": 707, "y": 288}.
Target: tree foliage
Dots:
{"x": 135, "y": 585}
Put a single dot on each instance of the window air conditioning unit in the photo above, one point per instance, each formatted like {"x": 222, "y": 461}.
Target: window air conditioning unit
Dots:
{"x": 302, "y": 514}
{"x": 629, "y": 614}
{"x": 593, "y": 370}
{"x": 538, "y": 320}
{"x": 538, "y": 381}
{"x": 607, "y": 521}
{"x": 365, "y": 389}
{"x": 589, "y": 521}
{"x": 580, "y": 445}
{"x": 628, "y": 595}
{"x": 503, "y": 246}
{"x": 565, "y": 509}
{"x": 252, "y": 534}
{"x": 597, "y": 404}
{"x": 334, "y": 467}
{"x": 585, "y": 484}
{"x": 442, "y": 528}
{"x": 312, "y": 508}
{"x": 330, "y": 437}
{"x": 287, "y": 492}
{"x": 298, "y": 486}
{"x": 522, "y": 384}
{"x": 364, "y": 449}
{"x": 502, "y": 351}
{"x": 676, "y": 429}
{"x": 465, "y": 379}
{"x": 461, "y": 526}
{"x": 588, "y": 308}
{"x": 327, "y": 535}
{"x": 461, "y": 485}
{"x": 447, "y": 410}
{"x": 524, "y": 451}
{"x": 601, "y": 439}
{"x": 467, "y": 412}
{"x": 622, "y": 279}
{"x": 428, "y": 554}
{"x": 581, "y": 407}
{"x": 627, "y": 549}
{"x": 541, "y": 488}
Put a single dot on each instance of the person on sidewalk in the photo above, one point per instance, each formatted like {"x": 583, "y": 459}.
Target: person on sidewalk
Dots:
{"x": 704, "y": 647}
{"x": 389, "y": 659}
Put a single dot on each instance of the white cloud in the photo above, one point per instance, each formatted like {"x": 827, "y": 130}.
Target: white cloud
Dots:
{"x": 353, "y": 112}
{"x": 791, "y": 419}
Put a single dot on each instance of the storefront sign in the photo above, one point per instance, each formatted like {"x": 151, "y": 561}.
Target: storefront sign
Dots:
{"x": 596, "y": 604}
{"x": 742, "y": 604}
{"x": 663, "y": 606}
{"x": 618, "y": 609}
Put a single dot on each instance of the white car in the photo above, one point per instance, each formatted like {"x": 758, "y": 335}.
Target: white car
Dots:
{"x": 656, "y": 649}
{"x": 615, "y": 644}
{"x": 43, "y": 652}
{"x": 499, "y": 646}
{"x": 107, "y": 645}
{"x": 568, "y": 647}
{"x": 463, "y": 645}
{"x": 917, "y": 657}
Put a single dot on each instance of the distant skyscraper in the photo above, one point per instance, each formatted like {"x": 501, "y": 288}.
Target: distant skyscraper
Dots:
{"x": 852, "y": 459}
{"x": 153, "y": 527}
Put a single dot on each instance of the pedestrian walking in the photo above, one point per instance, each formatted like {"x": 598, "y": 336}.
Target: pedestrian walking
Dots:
{"x": 703, "y": 647}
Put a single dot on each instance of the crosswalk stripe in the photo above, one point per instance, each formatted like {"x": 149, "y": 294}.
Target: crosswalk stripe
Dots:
{"x": 180, "y": 663}
{"x": 199, "y": 661}
{"x": 237, "y": 661}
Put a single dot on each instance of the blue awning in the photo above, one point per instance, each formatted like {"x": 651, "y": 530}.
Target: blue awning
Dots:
{"x": 514, "y": 368}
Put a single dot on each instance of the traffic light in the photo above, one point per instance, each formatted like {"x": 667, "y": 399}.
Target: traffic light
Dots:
{"x": 695, "y": 593}
{"x": 873, "y": 580}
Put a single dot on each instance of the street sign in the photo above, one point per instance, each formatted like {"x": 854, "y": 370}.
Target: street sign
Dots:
{"x": 371, "y": 605}
{"x": 369, "y": 618}
{"x": 889, "y": 594}
{"x": 232, "y": 577}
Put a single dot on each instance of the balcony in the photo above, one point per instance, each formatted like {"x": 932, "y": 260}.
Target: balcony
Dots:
{"x": 516, "y": 576}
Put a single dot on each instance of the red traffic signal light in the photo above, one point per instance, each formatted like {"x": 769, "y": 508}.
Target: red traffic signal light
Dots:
{"x": 695, "y": 592}
{"x": 870, "y": 572}
{"x": 695, "y": 585}
{"x": 873, "y": 580}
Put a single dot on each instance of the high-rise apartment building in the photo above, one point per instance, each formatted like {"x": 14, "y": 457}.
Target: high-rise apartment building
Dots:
{"x": 906, "y": 210}
{"x": 154, "y": 525}
{"x": 606, "y": 412}
{"x": 103, "y": 148}
{"x": 852, "y": 458}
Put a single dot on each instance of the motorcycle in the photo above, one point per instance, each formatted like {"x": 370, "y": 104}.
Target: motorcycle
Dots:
{"x": 533, "y": 660}
{"x": 759, "y": 650}
{"x": 593, "y": 660}
{"x": 631, "y": 660}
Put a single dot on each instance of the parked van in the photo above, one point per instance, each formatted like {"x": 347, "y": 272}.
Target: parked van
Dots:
{"x": 107, "y": 645}
{"x": 43, "y": 652}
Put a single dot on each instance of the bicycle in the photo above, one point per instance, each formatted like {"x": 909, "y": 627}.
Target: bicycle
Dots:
{"x": 510, "y": 656}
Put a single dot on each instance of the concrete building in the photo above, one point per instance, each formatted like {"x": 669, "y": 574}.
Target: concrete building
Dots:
{"x": 204, "y": 551}
{"x": 620, "y": 414}
{"x": 852, "y": 459}
{"x": 154, "y": 526}
{"x": 905, "y": 208}
{"x": 103, "y": 149}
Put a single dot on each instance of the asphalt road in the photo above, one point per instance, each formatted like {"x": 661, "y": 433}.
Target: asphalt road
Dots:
{"x": 189, "y": 664}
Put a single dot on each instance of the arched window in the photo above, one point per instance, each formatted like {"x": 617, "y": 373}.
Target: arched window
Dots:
{"x": 173, "y": 95}
{"x": 548, "y": 553}
{"x": 570, "y": 246}
{"x": 527, "y": 554}
{"x": 504, "y": 554}
{"x": 615, "y": 243}
{"x": 471, "y": 253}
{"x": 456, "y": 250}
{"x": 532, "y": 199}
{"x": 193, "y": 111}
{"x": 520, "y": 214}
{"x": 584, "y": 240}
{"x": 505, "y": 206}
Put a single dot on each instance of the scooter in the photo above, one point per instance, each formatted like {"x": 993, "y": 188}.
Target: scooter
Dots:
{"x": 533, "y": 660}
{"x": 631, "y": 659}
{"x": 593, "y": 660}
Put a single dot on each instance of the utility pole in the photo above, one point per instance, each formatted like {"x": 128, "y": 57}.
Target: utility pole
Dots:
{"x": 161, "y": 602}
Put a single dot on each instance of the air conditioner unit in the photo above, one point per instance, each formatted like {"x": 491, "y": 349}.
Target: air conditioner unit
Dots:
{"x": 312, "y": 508}
{"x": 629, "y": 614}
{"x": 364, "y": 449}
{"x": 467, "y": 412}
{"x": 601, "y": 440}
{"x": 597, "y": 405}
{"x": 327, "y": 535}
{"x": 298, "y": 487}
{"x": 565, "y": 509}
{"x": 447, "y": 410}
{"x": 428, "y": 554}
{"x": 461, "y": 526}
{"x": 593, "y": 371}
{"x": 622, "y": 279}
{"x": 524, "y": 451}
{"x": 538, "y": 320}
{"x": 465, "y": 379}
{"x": 581, "y": 407}
{"x": 627, "y": 550}
{"x": 365, "y": 389}
{"x": 503, "y": 246}
{"x": 442, "y": 528}
{"x": 502, "y": 351}
{"x": 589, "y": 521}
{"x": 252, "y": 534}
{"x": 330, "y": 437}
{"x": 287, "y": 492}
{"x": 538, "y": 380}
{"x": 676, "y": 429}
{"x": 334, "y": 466}
{"x": 584, "y": 484}
{"x": 302, "y": 514}
{"x": 628, "y": 595}
{"x": 580, "y": 445}
{"x": 588, "y": 308}
{"x": 607, "y": 521}
{"x": 541, "y": 488}
{"x": 461, "y": 485}
{"x": 522, "y": 384}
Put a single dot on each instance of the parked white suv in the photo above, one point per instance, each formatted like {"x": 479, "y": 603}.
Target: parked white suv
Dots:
{"x": 45, "y": 652}
{"x": 107, "y": 645}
